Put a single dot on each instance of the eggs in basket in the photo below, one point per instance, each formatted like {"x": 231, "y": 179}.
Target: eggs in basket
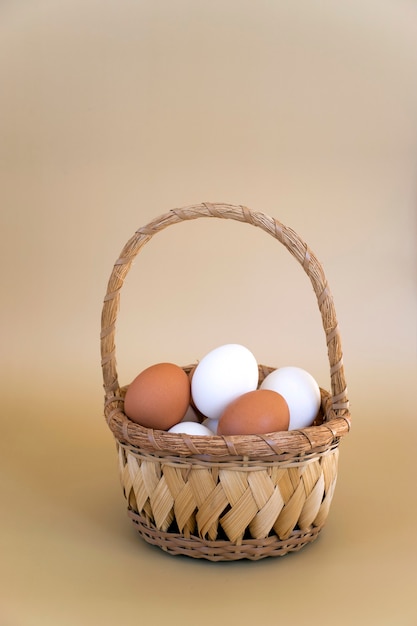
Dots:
{"x": 222, "y": 396}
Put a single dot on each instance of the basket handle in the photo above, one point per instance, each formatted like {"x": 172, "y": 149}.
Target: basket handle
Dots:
{"x": 283, "y": 234}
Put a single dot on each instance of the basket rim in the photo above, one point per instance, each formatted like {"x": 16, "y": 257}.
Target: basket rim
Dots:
{"x": 276, "y": 445}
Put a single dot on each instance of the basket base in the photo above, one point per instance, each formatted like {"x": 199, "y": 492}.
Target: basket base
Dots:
{"x": 222, "y": 550}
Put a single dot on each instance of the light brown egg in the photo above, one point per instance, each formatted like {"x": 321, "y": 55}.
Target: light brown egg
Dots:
{"x": 254, "y": 413}
{"x": 158, "y": 397}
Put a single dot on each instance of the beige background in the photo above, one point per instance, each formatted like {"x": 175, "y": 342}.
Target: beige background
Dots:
{"x": 114, "y": 112}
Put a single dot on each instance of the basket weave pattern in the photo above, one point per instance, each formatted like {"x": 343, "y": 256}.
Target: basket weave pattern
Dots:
{"x": 228, "y": 497}
{"x": 211, "y": 501}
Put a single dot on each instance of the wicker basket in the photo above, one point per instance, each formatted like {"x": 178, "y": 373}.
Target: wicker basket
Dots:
{"x": 236, "y": 497}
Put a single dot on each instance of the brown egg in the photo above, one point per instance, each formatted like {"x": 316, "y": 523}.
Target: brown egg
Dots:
{"x": 254, "y": 413}
{"x": 159, "y": 396}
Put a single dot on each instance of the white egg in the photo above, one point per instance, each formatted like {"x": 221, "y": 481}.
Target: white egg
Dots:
{"x": 221, "y": 376}
{"x": 190, "y": 428}
{"x": 300, "y": 391}
{"x": 211, "y": 424}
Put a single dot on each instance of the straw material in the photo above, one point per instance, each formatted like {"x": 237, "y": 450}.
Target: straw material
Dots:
{"x": 228, "y": 497}
{"x": 230, "y": 508}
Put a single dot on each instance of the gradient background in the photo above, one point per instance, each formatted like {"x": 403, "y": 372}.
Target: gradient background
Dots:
{"x": 114, "y": 112}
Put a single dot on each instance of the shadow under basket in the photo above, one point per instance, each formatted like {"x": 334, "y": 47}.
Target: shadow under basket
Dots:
{"x": 225, "y": 498}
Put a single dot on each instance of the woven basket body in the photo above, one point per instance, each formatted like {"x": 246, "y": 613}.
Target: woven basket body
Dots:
{"x": 228, "y": 497}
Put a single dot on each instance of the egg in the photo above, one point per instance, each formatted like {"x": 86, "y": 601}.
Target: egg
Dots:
{"x": 221, "y": 376}
{"x": 253, "y": 413}
{"x": 191, "y": 428}
{"x": 300, "y": 391}
{"x": 158, "y": 397}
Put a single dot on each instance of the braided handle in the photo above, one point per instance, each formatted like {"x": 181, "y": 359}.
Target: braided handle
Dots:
{"x": 273, "y": 227}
